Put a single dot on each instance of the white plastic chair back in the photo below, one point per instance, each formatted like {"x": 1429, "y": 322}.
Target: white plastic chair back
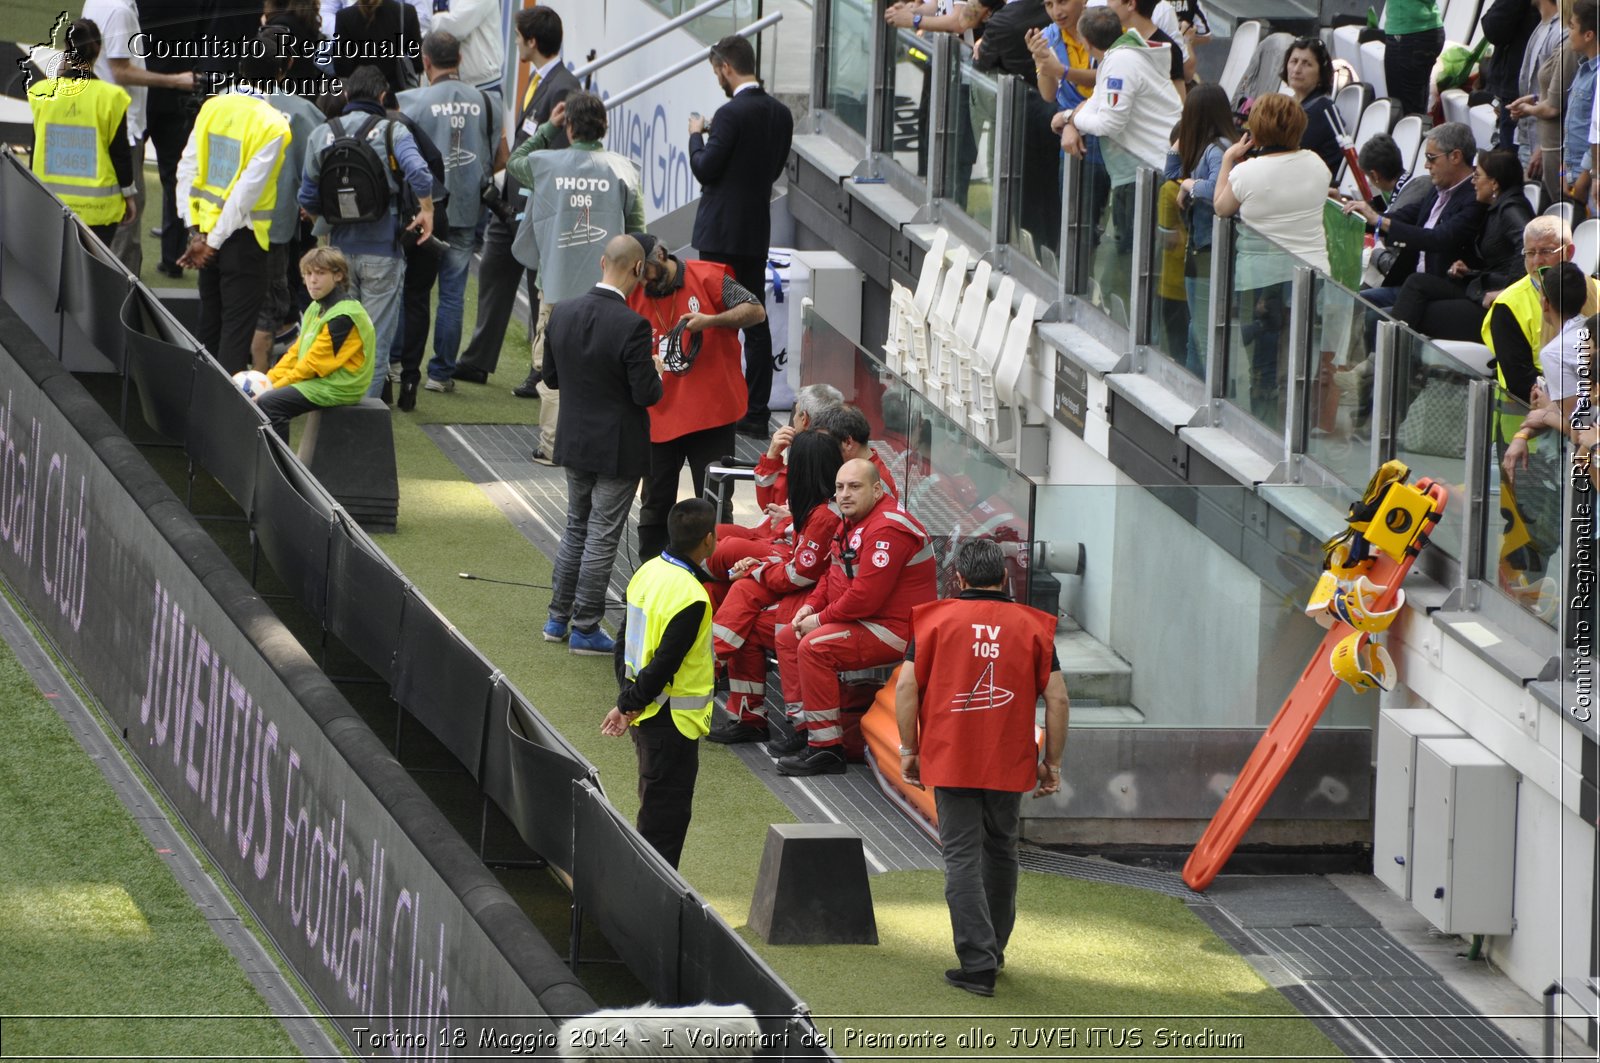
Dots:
{"x": 1586, "y": 238}
{"x": 1456, "y": 107}
{"x": 1347, "y": 46}
{"x": 1407, "y": 135}
{"x": 1372, "y": 68}
{"x": 1377, "y": 118}
{"x": 1534, "y": 192}
{"x": 932, "y": 268}
{"x": 944, "y": 311}
{"x": 1460, "y": 19}
{"x": 993, "y": 334}
{"x": 1014, "y": 354}
{"x": 1350, "y": 101}
{"x": 1474, "y": 356}
{"x": 1482, "y": 120}
{"x": 1560, "y": 210}
{"x": 1246, "y": 38}
{"x": 973, "y": 302}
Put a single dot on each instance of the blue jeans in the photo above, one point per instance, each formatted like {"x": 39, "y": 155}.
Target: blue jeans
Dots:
{"x": 978, "y": 830}
{"x": 597, "y": 512}
{"x": 377, "y": 281}
{"x": 453, "y": 266}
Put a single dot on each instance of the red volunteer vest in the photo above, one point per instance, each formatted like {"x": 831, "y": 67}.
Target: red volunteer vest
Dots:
{"x": 981, "y": 666}
{"x": 712, "y": 393}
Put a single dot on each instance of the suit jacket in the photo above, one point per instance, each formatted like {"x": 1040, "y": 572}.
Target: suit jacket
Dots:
{"x": 1453, "y": 236}
{"x": 551, "y": 91}
{"x": 597, "y": 353}
{"x": 736, "y": 166}
{"x": 1005, "y": 43}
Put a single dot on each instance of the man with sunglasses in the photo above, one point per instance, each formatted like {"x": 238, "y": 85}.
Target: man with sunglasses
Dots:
{"x": 859, "y": 616}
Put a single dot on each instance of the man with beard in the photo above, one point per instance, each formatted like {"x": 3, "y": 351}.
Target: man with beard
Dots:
{"x": 736, "y": 164}
{"x": 694, "y": 309}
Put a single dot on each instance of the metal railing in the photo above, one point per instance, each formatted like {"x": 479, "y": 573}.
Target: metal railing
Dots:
{"x": 652, "y": 34}
{"x": 691, "y": 61}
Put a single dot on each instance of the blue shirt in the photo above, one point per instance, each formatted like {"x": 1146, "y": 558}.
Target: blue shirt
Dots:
{"x": 1067, "y": 94}
{"x": 381, "y": 237}
{"x": 1580, "y": 101}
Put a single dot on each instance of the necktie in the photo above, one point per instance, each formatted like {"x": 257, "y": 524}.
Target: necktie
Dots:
{"x": 533, "y": 86}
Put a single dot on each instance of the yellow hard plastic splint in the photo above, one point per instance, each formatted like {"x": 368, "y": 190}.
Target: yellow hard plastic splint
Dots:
{"x": 1361, "y": 664}
{"x": 1355, "y": 606}
{"x": 1400, "y": 517}
{"x": 1354, "y": 537}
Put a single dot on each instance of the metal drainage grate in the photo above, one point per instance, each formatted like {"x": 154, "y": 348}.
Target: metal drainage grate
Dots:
{"x": 1052, "y": 863}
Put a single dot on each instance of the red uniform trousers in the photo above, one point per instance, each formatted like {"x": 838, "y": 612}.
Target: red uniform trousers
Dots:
{"x": 816, "y": 661}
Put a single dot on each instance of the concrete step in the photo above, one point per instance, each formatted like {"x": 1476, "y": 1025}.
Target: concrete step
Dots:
{"x": 1093, "y": 672}
{"x": 1086, "y": 713}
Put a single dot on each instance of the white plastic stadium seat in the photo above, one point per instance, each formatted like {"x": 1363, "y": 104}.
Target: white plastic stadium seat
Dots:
{"x": 1350, "y": 101}
{"x": 1560, "y": 210}
{"x": 1586, "y": 238}
{"x": 932, "y": 270}
{"x": 1534, "y": 192}
{"x": 1246, "y": 38}
{"x": 1372, "y": 68}
{"x": 1376, "y": 119}
{"x": 1407, "y": 135}
{"x": 1456, "y": 107}
{"x": 1460, "y": 19}
{"x": 1482, "y": 120}
{"x": 1347, "y": 46}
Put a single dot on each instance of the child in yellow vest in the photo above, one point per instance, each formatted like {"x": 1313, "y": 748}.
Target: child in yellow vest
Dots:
{"x": 331, "y": 363}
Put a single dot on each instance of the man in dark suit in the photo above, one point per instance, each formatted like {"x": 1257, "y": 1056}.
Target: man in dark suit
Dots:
{"x": 1004, "y": 46}
{"x": 736, "y": 164}
{"x": 539, "y": 38}
{"x": 598, "y": 354}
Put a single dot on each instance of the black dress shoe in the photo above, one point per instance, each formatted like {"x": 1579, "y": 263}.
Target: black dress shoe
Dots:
{"x": 979, "y": 983}
{"x": 818, "y": 760}
{"x": 170, "y": 269}
{"x": 470, "y": 375}
{"x": 408, "y": 396}
{"x": 754, "y": 429}
{"x": 783, "y": 747}
{"x": 735, "y": 733}
{"x": 529, "y": 388}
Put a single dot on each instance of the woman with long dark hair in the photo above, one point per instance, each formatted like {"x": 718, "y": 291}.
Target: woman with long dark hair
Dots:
{"x": 770, "y": 584}
{"x": 1205, "y": 131}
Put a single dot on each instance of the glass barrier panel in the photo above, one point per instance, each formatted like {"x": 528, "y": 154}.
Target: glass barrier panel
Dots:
{"x": 1430, "y": 418}
{"x": 1527, "y": 514}
{"x": 1034, "y": 228}
{"x": 970, "y": 167}
{"x": 1258, "y": 336}
{"x": 1107, "y": 199}
{"x": 1339, "y": 389}
{"x": 907, "y": 131}
{"x": 849, "y": 61}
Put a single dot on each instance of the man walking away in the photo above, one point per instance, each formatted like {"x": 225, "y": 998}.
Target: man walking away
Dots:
{"x": 736, "y": 166}
{"x": 975, "y": 670}
{"x": 598, "y": 352}
{"x": 666, "y": 673}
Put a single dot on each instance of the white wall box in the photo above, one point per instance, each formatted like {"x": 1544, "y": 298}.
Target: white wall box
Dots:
{"x": 1463, "y": 851}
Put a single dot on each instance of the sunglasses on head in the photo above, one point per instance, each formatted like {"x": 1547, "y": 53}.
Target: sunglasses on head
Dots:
{"x": 1310, "y": 43}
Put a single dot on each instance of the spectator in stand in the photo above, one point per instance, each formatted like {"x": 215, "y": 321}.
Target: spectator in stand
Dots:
{"x": 1413, "y": 37}
{"x": 1277, "y": 189}
{"x": 1547, "y": 107}
{"x": 849, "y": 426}
{"x": 476, "y": 24}
{"x": 539, "y": 39}
{"x": 1452, "y": 307}
{"x": 1565, "y": 403}
{"x": 1004, "y": 45}
{"x": 423, "y": 261}
{"x": 695, "y": 310}
{"x": 559, "y": 230}
{"x": 1516, "y": 329}
{"x": 1507, "y": 25}
{"x": 1576, "y": 174}
{"x": 772, "y": 472}
{"x": 385, "y": 34}
{"x": 965, "y": 709}
{"x": 1308, "y": 71}
{"x": 228, "y": 192}
{"x": 1135, "y": 18}
{"x": 330, "y": 362}
{"x": 120, "y": 63}
{"x": 283, "y": 234}
{"x": 771, "y": 579}
{"x": 1548, "y": 39}
{"x": 667, "y": 676}
{"x": 1204, "y": 133}
{"x": 1380, "y": 160}
{"x": 1065, "y": 72}
{"x": 465, "y": 122}
{"x": 599, "y": 351}
{"x": 736, "y": 160}
{"x": 1172, "y": 240}
{"x": 373, "y": 248}
{"x": 858, "y": 617}
{"x": 1134, "y": 105}
{"x": 80, "y": 137}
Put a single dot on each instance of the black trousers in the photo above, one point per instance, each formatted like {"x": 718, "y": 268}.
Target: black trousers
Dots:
{"x": 232, "y": 289}
{"x": 1407, "y": 61}
{"x": 751, "y": 273}
{"x": 416, "y": 313}
{"x": 170, "y": 119}
{"x": 669, "y": 763}
{"x": 699, "y": 449}
{"x": 281, "y": 404}
{"x": 498, "y": 275}
{"x": 1438, "y": 308}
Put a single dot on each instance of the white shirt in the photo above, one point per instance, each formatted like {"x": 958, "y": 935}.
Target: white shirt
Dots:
{"x": 1280, "y": 198}
{"x": 476, "y": 24}
{"x": 119, "y": 23}
{"x": 1134, "y": 107}
{"x": 1561, "y": 359}
{"x": 246, "y": 191}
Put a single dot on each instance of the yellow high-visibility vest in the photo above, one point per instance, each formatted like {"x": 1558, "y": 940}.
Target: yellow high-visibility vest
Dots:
{"x": 74, "y": 120}
{"x": 1522, "y": 298}
{"x": 229, "y": 131}
{"x": 661, "y": 589}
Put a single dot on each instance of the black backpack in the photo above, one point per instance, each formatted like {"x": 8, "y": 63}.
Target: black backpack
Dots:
{"x": 354, "y": 186}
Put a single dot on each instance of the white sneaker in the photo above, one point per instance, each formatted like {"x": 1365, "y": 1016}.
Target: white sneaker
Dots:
{"x": 440, "y": 385}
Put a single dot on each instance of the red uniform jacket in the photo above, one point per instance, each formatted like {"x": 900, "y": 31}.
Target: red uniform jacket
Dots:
{"x": 712, "y": 393}
{"x": 982, "y": 664}
{"x": 882, "y": 566}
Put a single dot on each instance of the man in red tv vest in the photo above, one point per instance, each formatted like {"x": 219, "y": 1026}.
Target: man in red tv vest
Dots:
{"x": 703, "y": 390}
{"x": 965, "y": 703}
{"x": 859, "y": 616}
